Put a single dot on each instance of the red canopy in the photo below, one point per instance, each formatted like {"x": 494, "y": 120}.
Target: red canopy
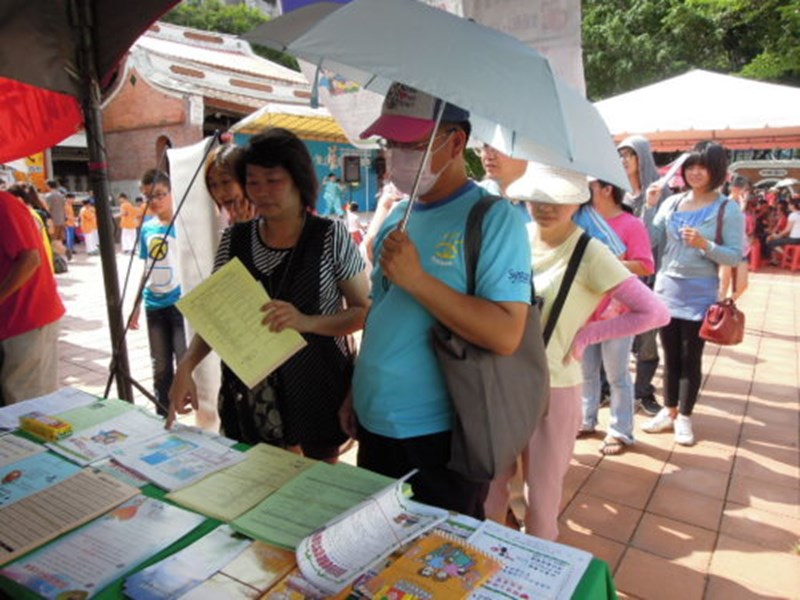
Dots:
{"x": 33, "y": 119}
{"x": 40, "y": 77}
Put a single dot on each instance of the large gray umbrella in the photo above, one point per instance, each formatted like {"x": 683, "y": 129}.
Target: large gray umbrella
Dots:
{"x": 516, "y": 102}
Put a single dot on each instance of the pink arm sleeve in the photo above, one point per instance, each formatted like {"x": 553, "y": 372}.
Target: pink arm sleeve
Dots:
{"x": 646, "y": 312}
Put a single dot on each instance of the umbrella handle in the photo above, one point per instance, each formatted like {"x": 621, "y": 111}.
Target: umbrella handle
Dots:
{"x": 401, "y": 226}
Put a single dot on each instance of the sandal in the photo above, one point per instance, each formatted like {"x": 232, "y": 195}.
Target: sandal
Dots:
{"x": 585, "y": 433}
{"x": 512, "y": 521}
{"x": 612, "y": 447}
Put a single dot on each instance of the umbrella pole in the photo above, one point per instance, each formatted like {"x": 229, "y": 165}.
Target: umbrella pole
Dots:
{"x": 98, "y": 175}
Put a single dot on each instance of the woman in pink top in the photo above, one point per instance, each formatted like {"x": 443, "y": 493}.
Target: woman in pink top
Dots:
{"x": 614, "y": 354}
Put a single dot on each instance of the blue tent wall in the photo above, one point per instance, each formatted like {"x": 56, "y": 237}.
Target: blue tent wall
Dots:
{"x": 328, "y": 158}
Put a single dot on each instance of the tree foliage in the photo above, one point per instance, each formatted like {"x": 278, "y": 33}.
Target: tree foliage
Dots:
{"x": 631, "y": 43}
{"x": 236, "y": 19}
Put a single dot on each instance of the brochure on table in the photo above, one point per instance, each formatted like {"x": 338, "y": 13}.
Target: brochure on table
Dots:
{"x": 227, "y": 494}
{"x": 14, "y": 448}
{"x": 188, "y": 568}
{"x": 108, "y": 437}
{"x": 308, "y": 501}
{"x": 223, "y": 564}
{"x": 89, "y": 559}
{"x": 43, "y": 516}
{"x": 51, "y": 404}
{"x": 435, "y": 566}
{"x": 176, "y": 459}
{"x": 533, "y": 568}
{"x": 334, "y": 555}
{"x": 32, "y": 474}
{"x": 95, "y": 413}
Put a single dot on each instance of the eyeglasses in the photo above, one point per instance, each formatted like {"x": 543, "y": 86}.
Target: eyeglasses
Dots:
{"x": 157, "y": 196}
{"x": 414, "y": 146}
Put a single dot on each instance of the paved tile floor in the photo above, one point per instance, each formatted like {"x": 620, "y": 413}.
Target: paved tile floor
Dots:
{"x": 720, "y": 520}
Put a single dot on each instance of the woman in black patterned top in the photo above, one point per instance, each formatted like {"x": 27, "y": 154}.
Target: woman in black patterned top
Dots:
{"x": 318, "y": 284}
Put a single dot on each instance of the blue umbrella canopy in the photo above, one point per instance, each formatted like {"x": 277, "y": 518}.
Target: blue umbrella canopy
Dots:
{"x": 516, "y": 102}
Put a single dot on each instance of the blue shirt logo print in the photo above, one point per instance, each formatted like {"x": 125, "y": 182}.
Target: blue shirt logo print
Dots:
{"x": 519, "y": 277}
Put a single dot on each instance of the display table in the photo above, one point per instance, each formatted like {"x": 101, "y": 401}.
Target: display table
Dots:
{"x": 596, "y": 583}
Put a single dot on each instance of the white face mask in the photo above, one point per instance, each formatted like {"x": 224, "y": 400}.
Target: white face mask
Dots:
{"x": 404, "y": 163}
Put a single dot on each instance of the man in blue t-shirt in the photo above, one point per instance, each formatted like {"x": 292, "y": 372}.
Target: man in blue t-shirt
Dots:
{"x": 401, "y": 412}
{"x": 165, "y": 329}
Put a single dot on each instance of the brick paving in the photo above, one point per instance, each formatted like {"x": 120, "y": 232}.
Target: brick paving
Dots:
{"x": 719, "y": 520}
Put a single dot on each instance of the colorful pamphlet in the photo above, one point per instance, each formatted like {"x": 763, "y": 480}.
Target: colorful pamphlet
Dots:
{"x": 43, "y": 516}
{"x": 532, "y": 567}
{"x": 334, "y": 555}
{"x": 108, "y": 437}
{"x": 174, "y": 460}
{"x": 225, "y": 310}
{"x": 435, "y": 566}
{"x": 181, "y": 572}
{"x": 308, "y": 501}
{"x": 32, "y": 474}
{"x": 87, "y": 560}
{"x": 231, "y": 492}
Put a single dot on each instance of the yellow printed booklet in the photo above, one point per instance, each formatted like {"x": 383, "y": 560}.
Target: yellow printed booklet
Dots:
{"x": 435, "y": 566}
{"x": 225, "y": 310}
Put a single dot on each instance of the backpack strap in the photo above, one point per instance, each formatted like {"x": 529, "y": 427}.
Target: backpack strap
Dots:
{"x": 566, "y": 283}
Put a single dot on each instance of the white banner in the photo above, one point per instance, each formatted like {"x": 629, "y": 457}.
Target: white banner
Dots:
{"x": 197, "y": 231}
{"x": 553, "y": 27}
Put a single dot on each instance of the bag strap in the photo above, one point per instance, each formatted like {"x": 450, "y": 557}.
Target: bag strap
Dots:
{"x": 566, "y": 283}
{"x": 718, "y": 240}
{"x": 473, "y": 237}
{"x": 720, "y": 219}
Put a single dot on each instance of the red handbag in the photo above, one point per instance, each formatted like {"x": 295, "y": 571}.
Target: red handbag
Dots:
{"x": 723, "y": 323}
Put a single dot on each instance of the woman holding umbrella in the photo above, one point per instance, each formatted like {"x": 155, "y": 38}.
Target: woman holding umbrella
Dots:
{"x": 310, "y": 268}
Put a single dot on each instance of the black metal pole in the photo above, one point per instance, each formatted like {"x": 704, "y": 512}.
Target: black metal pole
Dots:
{"x": 98, "y": 175}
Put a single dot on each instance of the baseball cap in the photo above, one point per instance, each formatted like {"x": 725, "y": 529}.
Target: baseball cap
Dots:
{"x": 551, "y": 185}
{"x": 408, "y": 114}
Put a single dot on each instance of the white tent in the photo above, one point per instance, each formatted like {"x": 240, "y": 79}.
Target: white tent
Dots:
{"x": 676, "y": 113}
